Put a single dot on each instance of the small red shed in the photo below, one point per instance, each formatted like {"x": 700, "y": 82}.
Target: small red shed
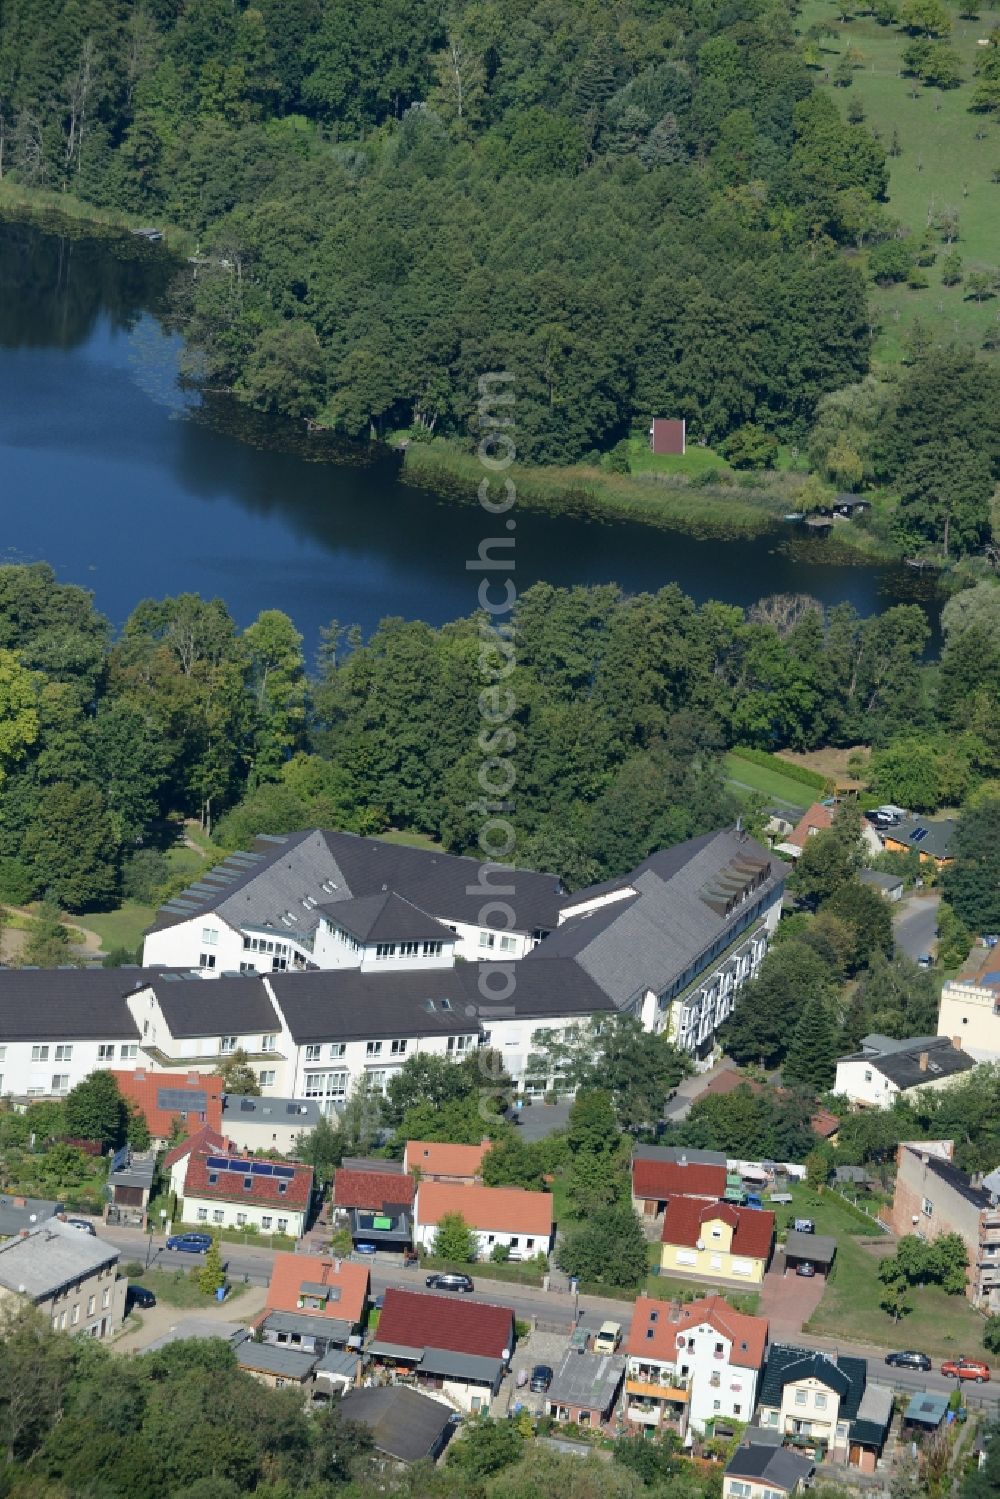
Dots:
{"x": 668, "y": 435}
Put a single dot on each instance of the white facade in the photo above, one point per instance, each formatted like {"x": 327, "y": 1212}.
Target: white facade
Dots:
{"x": 702, "y": 1368}
{"x": 211, "y": 943}
{"x": 860, "y": 1080}
{"x": 522, "y": 1246}
{"x": 267, "y": 1051}
{"x": 327, "y": 1071}
{"x": 209, "y": 1213}
{"x": 335, "y": 948}
{"x": 50, "y": 1069}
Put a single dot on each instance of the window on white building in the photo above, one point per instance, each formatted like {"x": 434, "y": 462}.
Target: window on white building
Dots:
{"x": 39, "y": 1053}
{"x": 801, "y": 1397}
{"x": 266, "y": 1077}
{"x": 106, "y": 1299}
{"x": 241, "y": 1218}
{"x": 508, "y": 944}
{"x": 487, "y": 939}
{"x": 203, "y": 1215}
{"x": 60, "y": 1082}
{"x": 384, "y": 950}
{"x": 432, "y": 949}
{"x": 266, "y": 1220}
{"x": 282, "y": 1225}
{"x": 326, "y": 1085}
{"x": 227, "y": 1044}
{"x": 398, "y": 1048}
{"x": 373, "y": 1049}
{"x": 821, "y": 1402}
{"x": 129, "y": 1051}
{"x": 313, "y": 1053}
{"x": 377, "y": 1078}
{"x": 337, "y": 1049}
{"x": 209, "y": 936}
{"x": 461, "y": 1043}
{"x": 218, "y": 1215}
{"x": 64, "y": 1054}
{"x": 91, "y": 1306}
{"x": 206, "y": 960}
{"x": 409, "y": 949}
{"x": 106, "y": 1051}
{"x": 268, "y": 1043}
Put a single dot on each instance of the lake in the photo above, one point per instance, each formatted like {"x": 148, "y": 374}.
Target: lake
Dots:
{"x": 136, "y": 488}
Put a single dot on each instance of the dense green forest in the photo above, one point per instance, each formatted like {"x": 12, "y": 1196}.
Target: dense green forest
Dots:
{"x": 624, "y": 707}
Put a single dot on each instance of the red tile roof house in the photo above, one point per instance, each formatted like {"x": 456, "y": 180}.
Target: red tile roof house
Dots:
{"x": 377, "y": 1206}
{"x": 717, "y": 1240}
{"x": 315, "y": 1302}
{"x": 176, "y": 1159}
{"x": 427, "y": 1160}
{"x": 654, "y": 1181}
{"x": 238, "y": 1191}
{"x": 689, "y": 1364}
{"x": 166, "y": 1098}
{"x": 522, "y": 1221}
{"x": 460, "y": 1348}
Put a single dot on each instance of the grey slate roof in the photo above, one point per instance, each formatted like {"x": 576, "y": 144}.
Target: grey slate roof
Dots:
{"x": 675, "y": 1153}
{"x": 927, "y": 837}
{"x": 69, "y": 1004}
{"x": 386, "y": 917}
{"x": 278, "y": 874}
{"x": 776, "y": 1466}
{"x": 275, "y": 1358}
{"x": 346, "y": 1004}
{"x": 901, "y": 1065}
{"x": 195, "y": 1007}
{"x": 445, "y": 1364}
{"x": 52, "y": 1256}
{"x": 333, "y": 1329}
{"x": 787, "y": 1365}
{"x": 650, "y": 939}
{"x": 24, "y": 1212}
{"x": 819, "y": 1248}
{"x": 241, "y": 1108}
{"x": 958, "y": 1182}
{"x": 925, "y": 1409}
{"x": 403, "y": 1423}
{"x": 880, "y": 879}
{"x": 588, "y": 1380}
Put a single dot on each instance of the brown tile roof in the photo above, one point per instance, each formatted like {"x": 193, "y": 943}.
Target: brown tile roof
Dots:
{"x": 263, "y": 1192}
{"x": 657, "y": 1179}
{"x": 203, "y": 1139}
{"x": 748, "y": 1335}
{"x": 290, "y": 1271}
{"x": 371, "y": 1189}
{"x": 503, "y": 1209}
{"x": 144, "y": 1089}
{"x": 413, "y": 1319}
{"x": 437, "y": 1159}
{"x": 685, "y": 1219}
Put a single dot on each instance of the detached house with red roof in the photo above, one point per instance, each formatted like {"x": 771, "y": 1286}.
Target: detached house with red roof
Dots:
{"x": 655, "y": 1180}
{"x": 430, "y": 1160}
{"x": 457, "y": 1347}
{"x": 315, "y": 1303}
{"x": 716, "y": 1239}
{"x": 190, "y": 1099}
{"x": 519, "y": 1220}
{"x": 238, "y": 1191}
{"x": 378, "y": 1206}
{"x": 690, "y": 1364}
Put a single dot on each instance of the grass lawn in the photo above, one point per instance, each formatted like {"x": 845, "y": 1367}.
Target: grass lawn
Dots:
{"x": 176, "y": 1288}
{"x": 125, "y": 927}
{"x": 743, "y": 776}
{"x": 410, "y": 837}
{"x": 941, "y": 165}
{"x": 939, "y": 1325}
{"x": 697, "y": 460}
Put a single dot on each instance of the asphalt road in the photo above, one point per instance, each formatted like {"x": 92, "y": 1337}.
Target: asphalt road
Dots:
{"x": 526, "y": 1302}
{"x": 914, "y": 924}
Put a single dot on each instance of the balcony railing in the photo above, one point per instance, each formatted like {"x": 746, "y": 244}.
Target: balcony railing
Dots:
{"x": 677, "y": 1393}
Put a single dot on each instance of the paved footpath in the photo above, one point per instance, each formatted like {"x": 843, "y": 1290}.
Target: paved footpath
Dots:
{"x": 161, "y": 1319}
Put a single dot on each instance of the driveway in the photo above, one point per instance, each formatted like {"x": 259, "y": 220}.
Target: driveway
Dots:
{"x": 788, "y": 1301}
{"x": 163, "y": 1319}
{"x": 914, "y": 924}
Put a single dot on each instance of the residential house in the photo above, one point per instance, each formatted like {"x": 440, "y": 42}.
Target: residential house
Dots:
{"x": 817, "y": 819}
{"x": 458, "y": 1347}
{"x": 688, "y": 1365}
{"x": 432, "y": 1161}
{"x": 59, "y": 1025}
{"x": 931, "y": 839}
{"x": 405, "y": 1425}
{"x": 230, "y": 1191}
{"x": 71, "y": 1277}
{"x": 130, "y": 1185}
{"x": 170, "y": 1101}
{"x": 883, "y": 1068}
{"x": 933, "y": 1197}
{"x": 585, "y": 1388}
{"x": 654, "y": 1181}
{"x": 889, "y": 886}
{"x": 679, "y": 1153}
{"x": 763, "y": 1470}
{"x": 261, "y": 1124}
{"x": 378, "y": 1205}
{"x": 719, "y": 1239}
{"x": 969, "y": 1012}
{"x": 315, "y": 1303}
{"x": 824, "y": 1406}
{"x": 518, "y": 1220}
{"x": 17, "y": 1213}
{"x": 175, "y": 1160}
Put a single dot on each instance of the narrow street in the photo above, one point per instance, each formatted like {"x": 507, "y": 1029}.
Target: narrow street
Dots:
{"x": 914, "y": 924}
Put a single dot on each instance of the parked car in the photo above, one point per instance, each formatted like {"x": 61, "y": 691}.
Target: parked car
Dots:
{"x": 366, "y": 1247}
{"x": 925, "y": 960}
{"x": 753, "y": 1200}
{"x": 966, "y": 1368}
{"x": 806, "y": 1268}
{"x": 804, "y": 1226}
{"x": 139, "y": 1296}
{"x": 449, "y": 1280}
{"x": 190, "y": 1243}
{"x": 541, "y": 1378}
{"x": 908, "y": 1358}
{"x": 608, "y": 1337}
{"x": 82, "y": 1225}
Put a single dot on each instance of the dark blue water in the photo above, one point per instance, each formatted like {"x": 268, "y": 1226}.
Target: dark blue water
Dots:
{"x": 126, "y": 484}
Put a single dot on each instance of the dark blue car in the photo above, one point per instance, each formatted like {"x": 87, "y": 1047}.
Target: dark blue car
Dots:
{"x": 190, "y": 1243}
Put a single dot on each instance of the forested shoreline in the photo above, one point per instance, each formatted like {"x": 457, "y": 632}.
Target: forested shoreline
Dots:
{"x": 625, "y": 706}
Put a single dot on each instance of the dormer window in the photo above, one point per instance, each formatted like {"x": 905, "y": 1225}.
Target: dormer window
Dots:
{"x": 248, "y": 1184}
{"x": 282, "y": 1188}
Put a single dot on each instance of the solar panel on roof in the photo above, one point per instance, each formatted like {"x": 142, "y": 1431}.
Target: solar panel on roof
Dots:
{"x": 919, "y": 834}
{"x": 261, "y": 1168}
{"x": 218, "y": 1162}
{"x": 285, "y": 1172}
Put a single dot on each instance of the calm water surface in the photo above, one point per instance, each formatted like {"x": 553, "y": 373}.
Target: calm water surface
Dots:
{"x": 132, "y": 487}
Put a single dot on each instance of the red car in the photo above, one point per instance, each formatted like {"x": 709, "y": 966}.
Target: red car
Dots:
{"x": 966, "y": 1368}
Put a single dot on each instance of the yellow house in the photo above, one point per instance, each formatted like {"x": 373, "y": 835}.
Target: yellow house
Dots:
{"x": 716, "y": 1239}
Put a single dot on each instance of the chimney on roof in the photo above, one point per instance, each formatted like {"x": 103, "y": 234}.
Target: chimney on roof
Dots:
{"x": 336, "y": 1267}
{"x": 682, "y": 1159}
{"x": 675, "y": 1311}
{"x": 923, "y": 1060}
{"x": 956, "y": 1041}
{"x": 24, "y": 1233}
